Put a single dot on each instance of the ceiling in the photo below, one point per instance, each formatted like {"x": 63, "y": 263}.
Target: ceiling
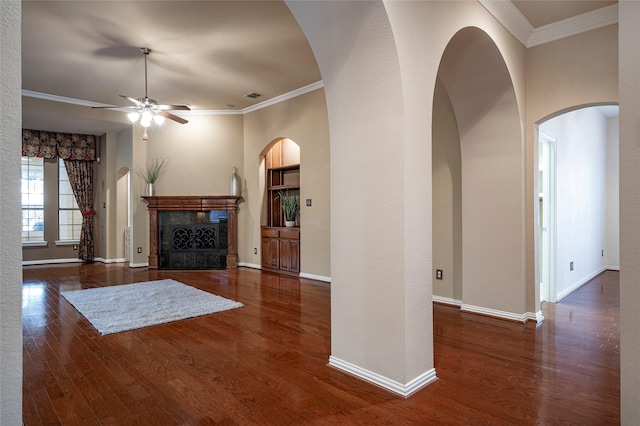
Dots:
{"x": 545, "y": 12}
{"x": 206, "y": 54}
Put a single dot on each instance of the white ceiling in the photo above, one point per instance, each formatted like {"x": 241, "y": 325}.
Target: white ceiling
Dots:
{"x": 207, "y": 54}
{"x": 545, "y": 12}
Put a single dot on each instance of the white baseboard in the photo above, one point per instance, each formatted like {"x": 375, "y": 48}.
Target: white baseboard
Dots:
{"x": 527, "y": 316}
{"x": 138, "y": 265}
{"x": 537, "y": 317}
{"x": 315, "y": 277}
{"x": 50, "y": 261}
{"x": 496, "y": 313}
{"x": 446, "y": 300}
{"x": 302, "y": 274}
{"x": 567, "y": 291}
{"x": 613, "y": 268}
{"x": 404, "y": 390}
{"x": 103, "y": 260}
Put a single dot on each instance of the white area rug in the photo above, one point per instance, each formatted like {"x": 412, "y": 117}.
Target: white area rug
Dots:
{"x": 127, "y": 307}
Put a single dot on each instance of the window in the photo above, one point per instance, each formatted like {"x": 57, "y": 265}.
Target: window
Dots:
{"x": 69, "y": 216}
{"x": 32, "y": 199}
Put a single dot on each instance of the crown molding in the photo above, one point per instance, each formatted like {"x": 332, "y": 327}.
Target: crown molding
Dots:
{"x": 293, "y": 94}
{"x": 576, "y": 25}
{"x": 510, "y": 17}
{"x": 63, "y": 99}
{"x": 281, "y": 98}
{"x": 514, "y": 21}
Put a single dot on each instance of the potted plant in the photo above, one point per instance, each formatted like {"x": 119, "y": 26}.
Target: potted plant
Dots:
{"x": 152, "y": 173}
{"x": 290, "y": 204}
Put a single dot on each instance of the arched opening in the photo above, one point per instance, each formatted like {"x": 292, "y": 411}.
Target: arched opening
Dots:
{"x": 280, "y": 161}
{"x": 578, "y": 186}
{"x": 281, "y": 222}
{"x": 123, "y": 214}
{"x": 478, "y": 180}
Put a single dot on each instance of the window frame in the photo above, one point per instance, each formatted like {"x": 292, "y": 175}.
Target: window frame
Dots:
{"x": 75, "y": 226}
{"x": 31, "y": 184}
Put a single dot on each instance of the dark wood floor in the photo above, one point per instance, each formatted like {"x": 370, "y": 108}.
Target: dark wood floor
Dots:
{"x": 267, "y": 362}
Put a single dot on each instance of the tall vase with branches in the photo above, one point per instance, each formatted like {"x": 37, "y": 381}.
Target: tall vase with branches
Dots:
{"x": 152, "y": 172}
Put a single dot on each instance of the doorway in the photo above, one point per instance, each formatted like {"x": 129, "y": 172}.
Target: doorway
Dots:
{"x": 547, "y": 216}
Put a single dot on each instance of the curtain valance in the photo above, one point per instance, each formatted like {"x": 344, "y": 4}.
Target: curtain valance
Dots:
{"x": 68, "y": 146}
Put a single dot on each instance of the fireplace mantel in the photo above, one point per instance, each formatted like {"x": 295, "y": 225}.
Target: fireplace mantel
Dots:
{"x": 193, "y": 203}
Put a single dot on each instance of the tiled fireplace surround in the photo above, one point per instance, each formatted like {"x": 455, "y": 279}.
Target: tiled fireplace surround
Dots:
{"x": 192, "y": 232}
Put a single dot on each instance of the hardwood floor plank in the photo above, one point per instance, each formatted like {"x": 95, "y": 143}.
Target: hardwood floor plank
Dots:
{"x": 266, "y": 363}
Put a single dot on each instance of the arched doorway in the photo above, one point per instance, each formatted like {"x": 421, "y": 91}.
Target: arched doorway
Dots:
{"x": 579, "y": 232}
{"x": 123, "y": 215}
{"x": 478, "y": 180}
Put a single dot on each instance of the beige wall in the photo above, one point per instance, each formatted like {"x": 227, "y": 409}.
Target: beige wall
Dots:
{"x": 10, "y": 216}
{"x": 379, "y": 63}
{"x": 201, "y": 154}
{"x": 447, "y": 199}
{"x": 629, "y": 212}
{"x": 576, "y": 71}
{"x": 303, "y": 120}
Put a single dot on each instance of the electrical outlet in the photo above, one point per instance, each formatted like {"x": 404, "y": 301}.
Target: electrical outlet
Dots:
{"x": 571, "y": 266}
{"x": 308, "y": 202}
{"x": 438, "y": 274}
{"x": 139, "y": 249}
{"x": 602, "y": 254}
{"x": 75, "y": 247}
{"x": 255, "y": 250}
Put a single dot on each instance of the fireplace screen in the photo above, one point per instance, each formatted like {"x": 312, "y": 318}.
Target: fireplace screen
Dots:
{"x": 193, "y": 240}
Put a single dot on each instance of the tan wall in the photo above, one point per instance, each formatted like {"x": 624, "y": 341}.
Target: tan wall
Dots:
{"x": 303, "y": 120}
{"x": 561, "y": 75}
{"x": 629, "y": 213}
{"x": 10, "y": 271}
{"x": 201, "y": 154}
{"x": 447, "y": 198}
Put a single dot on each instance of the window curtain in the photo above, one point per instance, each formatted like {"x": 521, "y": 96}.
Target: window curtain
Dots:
{"x": 78, "y": 153}
{"x": 67, "y": 146}
{"x": 81, "y": 180}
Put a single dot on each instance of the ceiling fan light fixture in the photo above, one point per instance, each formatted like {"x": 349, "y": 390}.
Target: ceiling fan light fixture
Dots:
{"x": 158, "y": 119}
{"x": 145, "y": 118}
{"x": 147, "y": 110}
{"x": 133, "y": 116}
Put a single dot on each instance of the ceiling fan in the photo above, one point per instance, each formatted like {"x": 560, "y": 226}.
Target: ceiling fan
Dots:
{"x": 146, "y": 109}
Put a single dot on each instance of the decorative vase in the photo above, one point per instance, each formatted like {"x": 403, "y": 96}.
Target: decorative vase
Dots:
{"x": 289, "y": 223}
{"x": 150, "y": 190}
{"x": 234, "y": 183}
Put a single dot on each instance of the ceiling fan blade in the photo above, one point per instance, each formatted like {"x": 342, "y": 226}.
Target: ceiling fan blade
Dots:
{"x": 172, "y": 117}
{"x": 116, "y": 106}
{"x": 174, "y": 107}
{"x": 132, "y": 100}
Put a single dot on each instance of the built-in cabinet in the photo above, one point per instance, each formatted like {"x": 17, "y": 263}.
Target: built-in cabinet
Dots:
{"x": 281, "y": 250}
{"x": 282, "y": 178}
{"x": 281, "y": 245}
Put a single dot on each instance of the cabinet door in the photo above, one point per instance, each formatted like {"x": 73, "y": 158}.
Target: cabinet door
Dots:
{"x": 285, "y": 255}
{"x": 270, "y": 253}
{"x": 294, "y": 255}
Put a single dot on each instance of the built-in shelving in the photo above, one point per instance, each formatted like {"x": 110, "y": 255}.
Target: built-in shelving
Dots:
{"x": 280, "y": 245}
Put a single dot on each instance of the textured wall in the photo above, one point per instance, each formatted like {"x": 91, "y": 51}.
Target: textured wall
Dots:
{"x": 629, "y": 212}
{"x": 10, "y": 249}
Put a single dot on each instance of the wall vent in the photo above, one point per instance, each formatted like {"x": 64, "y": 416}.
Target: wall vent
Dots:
{"x": 253, "y": 95}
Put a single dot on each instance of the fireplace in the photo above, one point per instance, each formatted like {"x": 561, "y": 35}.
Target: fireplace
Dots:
{"x": 193, "y": 232}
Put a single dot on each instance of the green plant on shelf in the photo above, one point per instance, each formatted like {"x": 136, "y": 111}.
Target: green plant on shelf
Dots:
{"x": 290, "y": 204}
